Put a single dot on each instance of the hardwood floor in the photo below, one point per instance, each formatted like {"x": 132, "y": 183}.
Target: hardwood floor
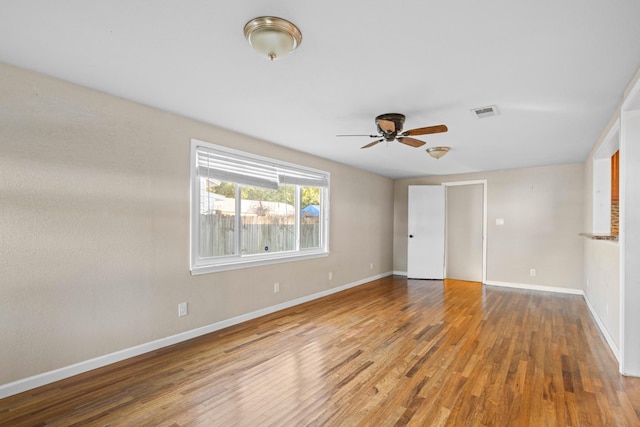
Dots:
{"x": 391, "y": 352}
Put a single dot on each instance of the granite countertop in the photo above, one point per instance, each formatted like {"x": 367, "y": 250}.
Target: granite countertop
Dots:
{"x": 592, "y": 236}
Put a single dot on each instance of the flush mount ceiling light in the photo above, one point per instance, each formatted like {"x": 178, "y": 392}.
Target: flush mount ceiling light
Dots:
{"x": 437, "y": 152}
{"x": 272, "y": 37}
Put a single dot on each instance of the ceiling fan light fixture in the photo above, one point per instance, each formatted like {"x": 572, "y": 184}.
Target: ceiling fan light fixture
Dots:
{"x": 272, "y": 37}
{"x": 437, "y": 152}
{"x": 390, "y": 129}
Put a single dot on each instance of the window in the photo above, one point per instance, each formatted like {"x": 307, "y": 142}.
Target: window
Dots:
{"x": 249, "y": 210}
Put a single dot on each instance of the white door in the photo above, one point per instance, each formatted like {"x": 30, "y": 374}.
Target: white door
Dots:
{"x": 425, "y": 251}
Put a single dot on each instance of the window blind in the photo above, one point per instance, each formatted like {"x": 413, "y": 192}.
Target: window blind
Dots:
{"x": 232, "y": 167}
{"x": 235, "y": 168}
{"x": 307, "y": 178}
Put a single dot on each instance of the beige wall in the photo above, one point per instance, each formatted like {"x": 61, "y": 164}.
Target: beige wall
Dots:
{"x": 94, "y": 217}
{"x": 543, "y": 214}
{"x": 602, "y": 284}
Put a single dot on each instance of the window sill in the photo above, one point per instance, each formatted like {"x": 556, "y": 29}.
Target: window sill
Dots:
{"x": 247, "y": 263}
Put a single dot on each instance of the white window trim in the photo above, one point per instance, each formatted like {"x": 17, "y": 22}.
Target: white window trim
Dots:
{"x": 210, "y": 265}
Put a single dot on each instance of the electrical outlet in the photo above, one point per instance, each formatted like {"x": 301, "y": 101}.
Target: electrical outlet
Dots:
{"x": 371, "y": 266}
{"x": 182, "y": 309}
{"x": 330, "y": 275}
{"x": 276, "y": 287}
{"x": 532, "y": 272}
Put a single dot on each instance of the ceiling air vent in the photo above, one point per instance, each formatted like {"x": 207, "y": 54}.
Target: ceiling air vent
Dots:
{"x": 482, "y": 112}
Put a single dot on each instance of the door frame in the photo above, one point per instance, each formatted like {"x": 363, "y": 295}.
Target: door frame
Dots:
{"x": 483, "y": 182}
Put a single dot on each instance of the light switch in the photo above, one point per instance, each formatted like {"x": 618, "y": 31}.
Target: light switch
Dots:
{"x": 499, "y": 221}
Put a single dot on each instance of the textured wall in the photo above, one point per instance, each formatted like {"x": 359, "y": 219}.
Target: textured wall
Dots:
{"x": 94, "y": 216}
{"x": 602, "y": 283}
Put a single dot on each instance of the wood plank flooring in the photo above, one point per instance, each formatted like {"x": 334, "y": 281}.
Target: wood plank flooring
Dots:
{"x": 393, "y": 352}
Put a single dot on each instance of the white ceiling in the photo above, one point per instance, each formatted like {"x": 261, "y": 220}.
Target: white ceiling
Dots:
{"x": 555, "y": 69}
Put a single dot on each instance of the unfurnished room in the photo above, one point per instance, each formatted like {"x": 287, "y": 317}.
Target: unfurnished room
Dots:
{"x": 279, "y": 213}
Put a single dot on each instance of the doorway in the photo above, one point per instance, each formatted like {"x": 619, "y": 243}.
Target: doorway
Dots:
{"x": 465, "y": 231}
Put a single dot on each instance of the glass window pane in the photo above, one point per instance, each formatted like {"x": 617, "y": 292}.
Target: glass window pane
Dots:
{"x": 268, "y": 220}
{"x": 310, "y": 214}
{"x": 217, "y": 218}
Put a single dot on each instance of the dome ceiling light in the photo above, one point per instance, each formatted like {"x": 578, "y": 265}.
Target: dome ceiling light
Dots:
{"x": 272, "y": 37}
{"x": 437, "y": 152}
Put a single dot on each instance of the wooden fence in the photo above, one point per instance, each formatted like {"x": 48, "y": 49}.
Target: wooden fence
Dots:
{"x": 258, "y": 234}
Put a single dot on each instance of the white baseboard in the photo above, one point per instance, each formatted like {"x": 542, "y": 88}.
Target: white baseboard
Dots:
{"x": 39, "y": 380}
{"x": 522, "y": 286}
{"x": 612, "y": 345}
{"x": 540, "y": 288}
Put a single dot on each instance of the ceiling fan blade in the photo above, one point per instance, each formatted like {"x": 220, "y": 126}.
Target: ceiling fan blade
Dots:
{"x": 370, "y": 136}
{"x": 426, "y": 130}
{"x": 387, "y": 125}
{"x": 371, "y": 144}
{"x": 411, "y": 141}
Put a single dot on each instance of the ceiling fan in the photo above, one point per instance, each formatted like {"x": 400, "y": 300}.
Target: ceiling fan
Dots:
{"x": 390, "y": 129}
